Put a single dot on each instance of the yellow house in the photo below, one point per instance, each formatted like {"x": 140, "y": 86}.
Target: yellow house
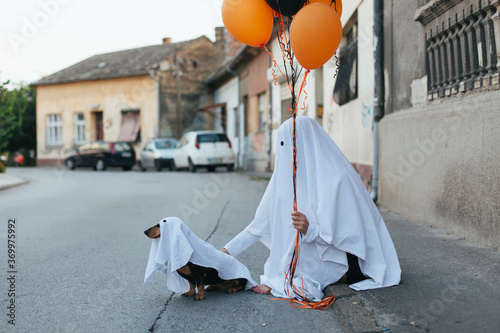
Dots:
{"x": 130, "y": 96}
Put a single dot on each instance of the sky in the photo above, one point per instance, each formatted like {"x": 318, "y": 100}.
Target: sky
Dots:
{"x": 41, "y": 37}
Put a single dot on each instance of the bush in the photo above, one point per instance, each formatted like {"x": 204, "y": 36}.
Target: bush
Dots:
{"x": 2, "y": 167}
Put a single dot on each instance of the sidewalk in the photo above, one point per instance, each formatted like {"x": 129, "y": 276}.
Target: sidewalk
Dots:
{"x": 8, "y": 180}
{"x": 448, "y": 285}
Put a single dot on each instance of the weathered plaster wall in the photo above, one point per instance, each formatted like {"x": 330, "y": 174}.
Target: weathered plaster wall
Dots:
{"x": 439, "y": 165}
{"x": 109, "y": 96}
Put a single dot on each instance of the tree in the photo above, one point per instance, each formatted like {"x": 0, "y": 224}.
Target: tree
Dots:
{"x": 18, "y": 120}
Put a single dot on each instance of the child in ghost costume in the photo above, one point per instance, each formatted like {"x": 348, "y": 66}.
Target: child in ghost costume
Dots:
{"x": 335, "y": 215}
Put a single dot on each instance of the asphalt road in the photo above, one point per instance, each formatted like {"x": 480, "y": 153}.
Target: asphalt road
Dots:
{"x": 80, "y": 254}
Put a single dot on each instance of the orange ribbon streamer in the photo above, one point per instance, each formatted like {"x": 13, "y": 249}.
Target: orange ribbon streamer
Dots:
{"x": 300, "y": 301}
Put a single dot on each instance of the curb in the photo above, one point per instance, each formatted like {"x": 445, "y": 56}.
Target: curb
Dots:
{"x": 349, "y": 310}
{"x": 12, "y": 181}
{"x": 355, "y": 315}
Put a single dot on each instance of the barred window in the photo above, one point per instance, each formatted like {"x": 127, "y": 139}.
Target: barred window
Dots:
{"x": 461, "y": 45}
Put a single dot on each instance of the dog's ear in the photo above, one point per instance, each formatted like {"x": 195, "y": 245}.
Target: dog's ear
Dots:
{"x": 153, "y": 232}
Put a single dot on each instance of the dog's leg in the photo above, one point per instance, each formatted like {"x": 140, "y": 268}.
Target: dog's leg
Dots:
{"x": 235, "y": 286}
{"x": 212, "y": 287}
{"x": 186, "y": 273}
{"x": 201, "y": 289}
{"x": 191, "y": 291}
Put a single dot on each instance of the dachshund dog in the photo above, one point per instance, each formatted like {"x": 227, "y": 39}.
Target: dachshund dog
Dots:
{"x": 200, "y": 276}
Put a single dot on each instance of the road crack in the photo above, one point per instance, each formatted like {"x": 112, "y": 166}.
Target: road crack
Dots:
{"x": 218, "y": 222}
{"x": 152, "y": 328}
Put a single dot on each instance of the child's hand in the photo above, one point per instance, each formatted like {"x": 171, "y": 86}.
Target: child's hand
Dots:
{"x": 300, "y": 222}
{"x": 224, "y": 250}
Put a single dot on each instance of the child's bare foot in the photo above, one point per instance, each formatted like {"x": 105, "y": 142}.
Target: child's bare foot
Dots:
{"x": 262, "y": 289}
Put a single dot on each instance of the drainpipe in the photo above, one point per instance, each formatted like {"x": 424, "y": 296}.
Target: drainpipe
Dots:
{"x": 158, "y": 93}
{"x": 379, "y": 88}
{"x": 233, "y": 73}
{"x": 152, "y": 74}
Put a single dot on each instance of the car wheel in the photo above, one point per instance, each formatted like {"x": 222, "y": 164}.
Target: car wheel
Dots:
{"x": 172, "y": 166}
{"x": 211, "y": 168}
{"x": 100, "y": 165}
{"x": 192, "y": 167}
{"x": 157, "y": 165}
{"x": 141, "y": 167}
{"x": 230, "y": 168}
{"x": 69, "y": 164}
{"x": 127, "y": 168}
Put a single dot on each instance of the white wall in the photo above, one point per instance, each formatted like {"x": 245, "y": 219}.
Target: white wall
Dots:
{"x": 351, "y": 125}
{"x": 228, "y": 93}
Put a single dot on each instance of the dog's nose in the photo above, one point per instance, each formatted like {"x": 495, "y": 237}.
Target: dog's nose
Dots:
{"x": 146, "y": 232}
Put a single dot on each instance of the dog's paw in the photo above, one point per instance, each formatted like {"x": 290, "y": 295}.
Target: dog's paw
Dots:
{"x": 188, "y": 294}
{"x": 199, "y": 297}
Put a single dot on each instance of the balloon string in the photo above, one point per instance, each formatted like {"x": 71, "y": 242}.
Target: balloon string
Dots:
{"x": 336, "y": 66}
{"x": 284, "y": 45}
{"x": 286, "y": 54}
{"x": 300, "y": 300}
{"x": 275, "y": 65}
{"x": 334, "y": 1}
{"x": 302, "y": 86}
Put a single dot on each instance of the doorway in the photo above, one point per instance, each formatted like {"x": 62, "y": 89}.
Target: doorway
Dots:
{"x": 99, "y": 131}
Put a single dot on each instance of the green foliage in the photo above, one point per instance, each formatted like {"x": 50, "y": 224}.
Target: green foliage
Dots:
{"x": 2, "y": 167}
{"x": 17, "y": 119}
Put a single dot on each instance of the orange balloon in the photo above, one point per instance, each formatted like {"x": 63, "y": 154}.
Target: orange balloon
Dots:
{"x": 337, "y": 5}
{"x": 249, "y": 21}
{"x": 315, "y": 35}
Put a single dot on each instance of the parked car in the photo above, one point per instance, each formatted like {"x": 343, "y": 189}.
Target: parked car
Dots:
{"x": 204, "y": 149}
{"x": 18, "y": 158}
{"x": 100, "y": 155}
{"x": 158, "y": 154}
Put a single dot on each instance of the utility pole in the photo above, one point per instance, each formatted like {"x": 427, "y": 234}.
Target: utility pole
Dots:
{"x": 177, "y": 72}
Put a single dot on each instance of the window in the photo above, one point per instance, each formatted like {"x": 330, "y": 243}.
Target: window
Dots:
{"x": 164, "y": 144}
{"x": 461, "y": 46}
{"x": 79, "y": 129}
{"x": 346, "y": 84}
{"x": 212, "y": 137}
{"x": 54, "y": 130}
{"x": 121, "y": 146}
{"x": 262, "y": 112}
{"x": 183, "y": 141}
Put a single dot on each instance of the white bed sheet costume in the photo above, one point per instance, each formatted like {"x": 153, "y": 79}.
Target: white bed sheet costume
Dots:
{"x": 342, "y": 218}
{"x": 178, "y": 245}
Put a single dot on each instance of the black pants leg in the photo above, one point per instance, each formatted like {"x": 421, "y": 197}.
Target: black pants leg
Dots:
{"x": 354, "y": 272}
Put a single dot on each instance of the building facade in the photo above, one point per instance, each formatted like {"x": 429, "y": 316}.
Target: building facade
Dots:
{"x": 348, "y": 85}
{"x": 131, "y": 95}
{"x": 240, "y": 91}
{"x": 439, "y": 151}
{"x": 437, "y": 140}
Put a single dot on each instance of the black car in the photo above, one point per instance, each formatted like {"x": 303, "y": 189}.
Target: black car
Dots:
{"x": 100, "y": 155}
